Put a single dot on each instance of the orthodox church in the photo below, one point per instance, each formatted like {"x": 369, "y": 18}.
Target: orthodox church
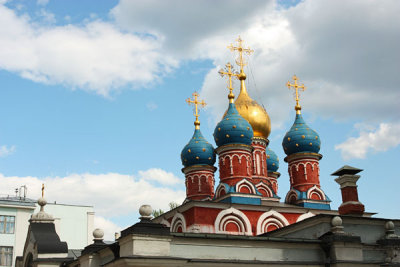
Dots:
{"x": 239, "y": 219}
{"x": 245, "y": 200}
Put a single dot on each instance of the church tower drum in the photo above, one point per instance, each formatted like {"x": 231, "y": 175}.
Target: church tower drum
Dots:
{"x": 259, "y": 120}
{"x": 233, "y": 136}
{"x": 301, "y": 145}
{"x": 198, "y": 158}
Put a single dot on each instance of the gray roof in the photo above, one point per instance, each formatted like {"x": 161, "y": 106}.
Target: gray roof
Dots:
{"x": 17, "y": 201}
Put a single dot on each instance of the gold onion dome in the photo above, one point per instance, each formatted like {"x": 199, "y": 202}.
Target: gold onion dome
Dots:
{"x": 253, "y": 112}
{"x": 248, "y": 108}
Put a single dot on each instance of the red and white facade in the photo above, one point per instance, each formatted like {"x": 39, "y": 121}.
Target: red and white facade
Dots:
{"x": 243, "y": 175}
{"x": 199, "y": 181}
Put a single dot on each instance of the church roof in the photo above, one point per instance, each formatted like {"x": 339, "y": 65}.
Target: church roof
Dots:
{"x": 198, "y": 151}
{"x": 272, "y": 160}
{"x": 233, "y": 129}
{"x": 301, "y": 138}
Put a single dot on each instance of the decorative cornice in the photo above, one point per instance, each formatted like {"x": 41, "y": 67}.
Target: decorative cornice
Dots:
{"x": 195, "y": 168}
{"x": 347, "y": 180}
{"x": 302, "y": 155}
{"x": 260, "y": 140}
{"x": 229, "y": 147}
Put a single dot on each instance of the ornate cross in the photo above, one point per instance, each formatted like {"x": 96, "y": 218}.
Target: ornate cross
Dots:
{"x": 196, "y": 104}
{"x": 296, "y": 88}
{"x": 42, "y": 190}
{"x": 240, "y": 61}
{"x": 228, "y": 72}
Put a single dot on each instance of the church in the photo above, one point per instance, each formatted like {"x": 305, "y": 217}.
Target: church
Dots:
{"x": 238, "y": 219}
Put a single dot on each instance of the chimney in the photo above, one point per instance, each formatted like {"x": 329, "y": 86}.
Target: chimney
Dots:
{"x": 348, "y": 185}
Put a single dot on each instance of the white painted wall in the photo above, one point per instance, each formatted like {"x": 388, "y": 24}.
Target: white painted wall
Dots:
{"x": 21, "y": 228}
{"x": 74, "y": 224}
{"x": 17, "y": 240}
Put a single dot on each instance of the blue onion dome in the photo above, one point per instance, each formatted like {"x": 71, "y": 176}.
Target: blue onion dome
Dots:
{"x": 301, "y": 138}
{"x": 233, "y": 129}
{"x": 272, "y": 160}
{"x": 198, "y": 151}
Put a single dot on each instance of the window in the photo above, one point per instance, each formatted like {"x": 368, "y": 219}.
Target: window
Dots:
{"x": 7, "y": 224}
{"x": 6, "y": 255}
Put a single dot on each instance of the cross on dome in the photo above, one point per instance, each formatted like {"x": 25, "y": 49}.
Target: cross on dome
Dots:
{"x": 228, "y": 72}
{"x": 296, "y": 87}
{"x": 196, "y": 104}
{"x": 240, "y": 61}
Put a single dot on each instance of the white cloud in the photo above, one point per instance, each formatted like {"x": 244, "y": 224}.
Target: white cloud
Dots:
{"x": 345, "y": 52}
{"x": 47, "y": 16}
{"x": 111, "y": 194}
{"x": 387, "y": 136}
{"x": 182, "y": 24}
{"x": 160, "y": 176}
{"x": 95, "y": 56}
{"x": 6, "y": 150}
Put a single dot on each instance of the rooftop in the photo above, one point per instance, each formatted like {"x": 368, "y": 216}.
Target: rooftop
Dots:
{"x": 17, "y": 201}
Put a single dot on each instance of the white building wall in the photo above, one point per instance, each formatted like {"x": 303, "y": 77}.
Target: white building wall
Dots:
{"x": 16, "y": 240}
{"x": 90, "y": 227}
{"x": 73, "y": 223}
{"x": 21, "y": 229}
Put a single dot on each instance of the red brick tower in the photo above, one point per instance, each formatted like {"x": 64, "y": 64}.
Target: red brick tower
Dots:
{"x": 198, "y": 158}
{"x": 301, "y": 145}
{"x": 233, "y": 136}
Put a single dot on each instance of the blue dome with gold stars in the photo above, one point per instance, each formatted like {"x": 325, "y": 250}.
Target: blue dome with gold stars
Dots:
{"x": 198, "y": 151}
{"x": 301, "y": 138}
{"x": 233, "y": 129}
{"x": 272, "y": 160}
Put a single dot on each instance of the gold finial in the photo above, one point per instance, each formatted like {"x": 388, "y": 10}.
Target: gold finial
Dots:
{"x": 42, "y": 190}
{"x": 196, "y": 104}
{"x": 296, "y": 88}
{"x": 240, "y": 61}
{"x": 228, "y": 72}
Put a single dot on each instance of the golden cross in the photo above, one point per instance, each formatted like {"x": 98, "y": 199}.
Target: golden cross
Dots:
{"x": 196, "y": 104}
{"x": 240, "y": 61}
{"x": 42, "y": 190}
{"x": 296, "y": 88}
{"x": 228, "y": 72}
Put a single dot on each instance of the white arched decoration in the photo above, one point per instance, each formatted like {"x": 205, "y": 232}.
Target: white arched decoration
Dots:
{"x": 270, "y": 218}
{"x": 245, "y": 184}
{"x": 165, "y": 222}
{"x": 316, "y": 190}
{"x": 234, "y": 216}
{"x": 261, "y": 186}
{"x": 305, "y": 216}
{"x": 178, "y": 221}
{"x": 220, "y": 188}
{"x": 296, "y": 164}
{"x": 291, "y": 193}
{"x": 258, "y": 164}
